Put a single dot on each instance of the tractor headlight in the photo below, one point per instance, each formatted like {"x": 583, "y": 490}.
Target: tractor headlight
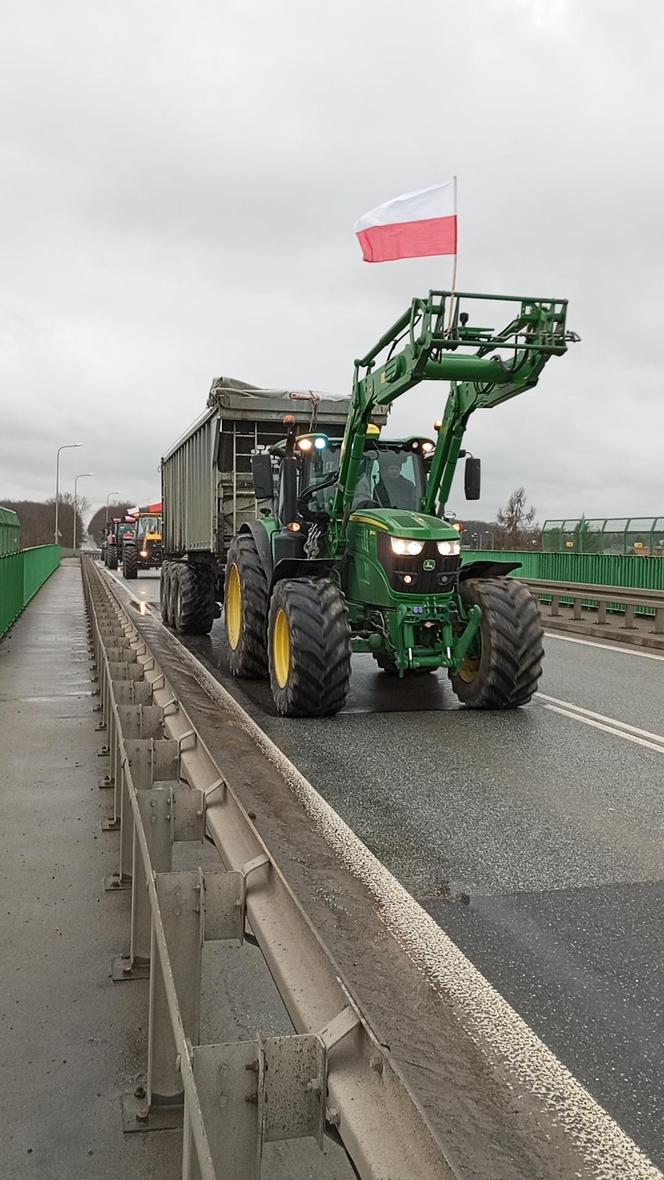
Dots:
{"x": 448, "y": 548}
{"x": 144, "y": 552}
{"x": 406, "y": 548}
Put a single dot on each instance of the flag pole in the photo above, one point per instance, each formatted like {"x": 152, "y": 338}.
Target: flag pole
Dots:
{"x": 456, "y": 257}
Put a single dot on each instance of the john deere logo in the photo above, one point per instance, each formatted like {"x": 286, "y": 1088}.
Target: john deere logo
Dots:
{"x": 428, "y": 564}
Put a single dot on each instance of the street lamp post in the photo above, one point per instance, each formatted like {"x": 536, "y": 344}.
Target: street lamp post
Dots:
{"x": 107, "y": 500}
{"x": 84, "y": 475}
{"x": 66, "y": 447}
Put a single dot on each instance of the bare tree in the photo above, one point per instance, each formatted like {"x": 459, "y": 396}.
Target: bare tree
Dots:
{"x": 37, "y": 519}
{"x": 516, "y": 523}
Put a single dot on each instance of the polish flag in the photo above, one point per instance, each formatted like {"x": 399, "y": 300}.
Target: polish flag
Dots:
{"x": 416, "y": 225}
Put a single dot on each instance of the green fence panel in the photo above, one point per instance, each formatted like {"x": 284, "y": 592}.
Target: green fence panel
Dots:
{"x": 21, "y": 576}
{"x": 589, "y": 569}
{"x": 10, "y": 532}
{"x": 38, "y": 565}
{"x": 11, "y": 589}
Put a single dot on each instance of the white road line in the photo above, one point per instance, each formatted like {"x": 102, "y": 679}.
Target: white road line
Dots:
{"x": 628, "y": 737}
{"x": 121, "y": 582}
{"x": 612, "y": 721}
{"x": 608, "y": 646}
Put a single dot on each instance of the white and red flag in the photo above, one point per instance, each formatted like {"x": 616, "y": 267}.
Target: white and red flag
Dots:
{"x": 416, "y": 225}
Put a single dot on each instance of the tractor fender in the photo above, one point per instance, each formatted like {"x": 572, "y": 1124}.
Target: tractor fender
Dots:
{"x": 487, "y": 569}
{"x": 262, "y": 539}
{"x": 301, "y": 567}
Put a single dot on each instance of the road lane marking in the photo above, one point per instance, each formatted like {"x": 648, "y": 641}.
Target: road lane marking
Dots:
{"x": 629, "y": 733}
{"x": 122, "y": 582}
{"x": 613, "y": 721}
{"x": 628, "y": 737}
{"x": 608, "y": 646}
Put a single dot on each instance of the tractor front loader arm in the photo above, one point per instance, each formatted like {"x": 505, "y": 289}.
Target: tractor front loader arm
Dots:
{"x": 434, "y": 341}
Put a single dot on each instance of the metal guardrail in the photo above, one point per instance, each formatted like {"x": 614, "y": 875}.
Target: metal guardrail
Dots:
{"x": 232, "y": 1098}
{"x": 602, "y": 599}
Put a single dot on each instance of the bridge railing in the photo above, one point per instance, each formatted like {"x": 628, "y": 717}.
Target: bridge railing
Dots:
{"x": 589, "y": 569}
{"x": 21, "y": 576}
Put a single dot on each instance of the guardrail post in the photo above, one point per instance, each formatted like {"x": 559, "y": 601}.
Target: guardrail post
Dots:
{"x": 658, "y": 629}
{"x": 629, "y": 623}
{"x": 175, "y": 989}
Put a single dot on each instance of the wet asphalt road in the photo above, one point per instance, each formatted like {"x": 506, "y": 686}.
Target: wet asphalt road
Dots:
{"x": 534, "y": 839}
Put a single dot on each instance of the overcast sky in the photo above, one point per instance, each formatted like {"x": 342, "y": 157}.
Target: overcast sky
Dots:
{"x": 179, "y": 187}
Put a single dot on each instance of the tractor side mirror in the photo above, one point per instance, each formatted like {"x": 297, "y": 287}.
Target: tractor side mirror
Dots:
{"x": 261, "y": 469}
{"x": 472, "y": 478}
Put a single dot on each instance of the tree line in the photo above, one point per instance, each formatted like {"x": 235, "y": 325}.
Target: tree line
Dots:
{"x": 37, "y": 519}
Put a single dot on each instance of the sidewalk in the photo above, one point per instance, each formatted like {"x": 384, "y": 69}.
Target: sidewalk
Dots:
{"x": 70, "y": 1040}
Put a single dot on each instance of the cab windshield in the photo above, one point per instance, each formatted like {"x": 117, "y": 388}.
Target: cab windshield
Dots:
{"x": 149, "y": 524}
{"x": 391, "y": 476}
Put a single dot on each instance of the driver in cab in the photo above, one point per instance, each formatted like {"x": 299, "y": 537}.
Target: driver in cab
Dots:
{"x": 393, "y": 490}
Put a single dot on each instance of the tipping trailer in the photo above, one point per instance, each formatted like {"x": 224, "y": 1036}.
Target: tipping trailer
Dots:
{"x": 208, "y": 491}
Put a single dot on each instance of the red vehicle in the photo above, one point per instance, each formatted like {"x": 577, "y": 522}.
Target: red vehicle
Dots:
{"x": 120, "y": 530}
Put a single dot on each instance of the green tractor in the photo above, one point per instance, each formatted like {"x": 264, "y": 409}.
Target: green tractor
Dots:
{"x": 354, "y": 554}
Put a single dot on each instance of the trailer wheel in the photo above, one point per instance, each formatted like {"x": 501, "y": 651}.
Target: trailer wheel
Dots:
{"x": 246, "y": 608}
{"x": 112, "y": 557}
{"x": 129, "y": 562}
{"x": 503, "y": 667}
{"x": 310, "y": 648}
{"x": 192, "y": 601}
{"x": 165, "y": 595}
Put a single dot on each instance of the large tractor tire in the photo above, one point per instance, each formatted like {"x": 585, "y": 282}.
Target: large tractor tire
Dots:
{"x": 504, "y": 664}
{"x": 246, "y": 609}
{"x": 111, "y": 557}
{"x": 309, "y": 647}
{"x": 165, "y": 594}
{"x": 192, "y": 597}
{"x": 129, "y": 562}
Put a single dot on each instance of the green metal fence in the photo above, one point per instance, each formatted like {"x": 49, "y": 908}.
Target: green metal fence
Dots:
{"x": 10, "y": 532}
{"x": 589, "y": 569}
{"x": 21, "y": 576}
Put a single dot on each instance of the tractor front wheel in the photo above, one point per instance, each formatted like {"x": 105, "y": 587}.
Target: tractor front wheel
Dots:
{"x": 503, "y": 667}
{"x": 129, "y": 562}
{"x": 111, "y": 557}
{"x": 309, "y": 646}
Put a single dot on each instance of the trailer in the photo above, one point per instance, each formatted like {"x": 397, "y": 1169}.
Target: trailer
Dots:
{"x": 208, "y": 489}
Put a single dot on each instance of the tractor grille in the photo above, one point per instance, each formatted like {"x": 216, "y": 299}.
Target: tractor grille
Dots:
{"x": 441, "y": 579}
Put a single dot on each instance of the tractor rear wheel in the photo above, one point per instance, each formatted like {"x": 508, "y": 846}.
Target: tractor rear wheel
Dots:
{"x": 503, "y": 667}
{"x": 112, "y": 557}
{"x": 309, "y": 645}
{"x": 129, "y": 562}
{"x": 165, "y": 595}
{"x": 192, "y": 597}
{"x": 246, "y": 609}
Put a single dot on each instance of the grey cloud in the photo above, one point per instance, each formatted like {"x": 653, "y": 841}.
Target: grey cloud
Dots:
{"x": 179, "y": 190}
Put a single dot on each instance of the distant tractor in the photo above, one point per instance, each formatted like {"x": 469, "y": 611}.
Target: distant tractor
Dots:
{"x": 349, "y": 548}
{"x": 116, "y": 533}
{"x": 142, "y": 550}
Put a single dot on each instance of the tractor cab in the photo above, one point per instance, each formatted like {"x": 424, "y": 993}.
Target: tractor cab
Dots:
{"x": 393, "y": 473}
